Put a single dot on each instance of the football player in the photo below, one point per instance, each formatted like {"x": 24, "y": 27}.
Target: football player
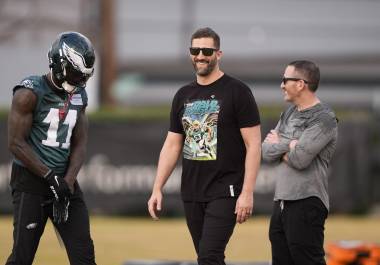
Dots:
{"x": 47, "y": 134}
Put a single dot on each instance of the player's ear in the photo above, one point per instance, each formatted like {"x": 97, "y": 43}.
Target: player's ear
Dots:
{"x": 219, "y": 54}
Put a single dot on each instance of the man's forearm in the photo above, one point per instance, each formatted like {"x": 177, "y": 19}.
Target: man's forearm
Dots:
{"x": 76, "y": 161}
{"x": 252, "y": 165}
{"x": 274, "y": 152}
{"x": 23, "y": 152}
{"x": 78, "y": 148}
{"x": 308, "y": 147}
{"x": 166, "y": 164}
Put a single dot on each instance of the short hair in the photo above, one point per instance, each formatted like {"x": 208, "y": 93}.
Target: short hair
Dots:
{"x": 309, "y": 71}
{"x": 206, "y": 33}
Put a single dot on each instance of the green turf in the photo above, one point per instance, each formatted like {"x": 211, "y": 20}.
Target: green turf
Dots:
{"x": 120, "y": 239}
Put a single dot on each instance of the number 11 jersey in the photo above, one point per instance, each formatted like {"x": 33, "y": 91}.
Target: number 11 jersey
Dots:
{"x": 54, "y": 119}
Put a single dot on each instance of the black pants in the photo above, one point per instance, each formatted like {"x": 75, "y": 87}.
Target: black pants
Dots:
{"x": 30, "y": 217}
{"x": 296, "y": 232}
{"x": 211, "y": 225}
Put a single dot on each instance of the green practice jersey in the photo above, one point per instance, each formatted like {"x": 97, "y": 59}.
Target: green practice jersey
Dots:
{"x": 54, "y": 119}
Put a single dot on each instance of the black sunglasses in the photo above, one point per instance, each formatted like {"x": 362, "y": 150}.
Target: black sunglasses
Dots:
{"x": 205, "y": 51}
{"x": 286, "y": 79}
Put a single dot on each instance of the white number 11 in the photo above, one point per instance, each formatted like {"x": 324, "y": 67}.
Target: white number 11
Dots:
{"x": 53, "y": 119}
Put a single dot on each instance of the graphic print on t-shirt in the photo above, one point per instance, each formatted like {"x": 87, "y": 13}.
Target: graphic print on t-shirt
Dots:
{"x": 200, "y": 122}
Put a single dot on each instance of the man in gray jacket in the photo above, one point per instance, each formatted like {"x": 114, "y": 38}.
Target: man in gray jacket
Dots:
{"x": 300, "y": 149}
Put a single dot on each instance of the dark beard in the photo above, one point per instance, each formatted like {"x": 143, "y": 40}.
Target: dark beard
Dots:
{"x": 206, "y": 71}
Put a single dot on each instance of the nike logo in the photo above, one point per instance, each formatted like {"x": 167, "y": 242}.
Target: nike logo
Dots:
{"x": 54, "y": 192}
{"x": 56, "y": 180}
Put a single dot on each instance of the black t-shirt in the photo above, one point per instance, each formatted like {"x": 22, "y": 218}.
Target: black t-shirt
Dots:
{"x": 210, "y": 118}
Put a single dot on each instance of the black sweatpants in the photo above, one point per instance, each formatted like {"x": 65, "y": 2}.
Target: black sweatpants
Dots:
{"x": 30, "y": 217}
{"x": 211, "y": 225}
{"x": 296, "y": 232}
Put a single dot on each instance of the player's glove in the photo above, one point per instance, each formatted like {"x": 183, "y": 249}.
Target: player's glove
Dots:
{"x": 57, "y": 185}
{"x": 61, "y": 210}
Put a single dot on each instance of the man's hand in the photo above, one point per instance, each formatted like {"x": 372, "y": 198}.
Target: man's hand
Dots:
{"x": 57, "y": 185}
{"x": 292, "y": 144}
{"x": 70, "y": 182}
{"x": 244, "y": 207}
{"x": 272, "y": 137}
{"x": 61, "y": 210}
{"x": 154, "y": 204}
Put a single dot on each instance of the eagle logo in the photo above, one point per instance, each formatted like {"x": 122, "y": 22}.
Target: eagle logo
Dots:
{"x": 76, "y": 59}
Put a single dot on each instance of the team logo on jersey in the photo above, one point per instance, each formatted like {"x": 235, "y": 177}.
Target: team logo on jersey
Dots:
{"x": 200, "y": 120}
{"x": 76, "y": 99}
{"x": 27, "y": 83}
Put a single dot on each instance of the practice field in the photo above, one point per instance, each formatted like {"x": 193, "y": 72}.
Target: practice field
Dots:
{"x": 120, "y": 239}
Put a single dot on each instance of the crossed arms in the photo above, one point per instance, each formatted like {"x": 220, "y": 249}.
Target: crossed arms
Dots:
{"x": 297, "y": 153}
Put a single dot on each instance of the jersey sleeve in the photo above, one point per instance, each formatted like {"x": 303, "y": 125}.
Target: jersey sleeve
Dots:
{"x": 32, "y": 83}
{"x": 246, "y": 107}
{"x": 175, "y": 120}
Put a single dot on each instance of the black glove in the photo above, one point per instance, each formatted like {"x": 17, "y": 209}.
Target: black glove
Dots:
{"x": 61, "y": 210}
{"x": 57, "y": 185}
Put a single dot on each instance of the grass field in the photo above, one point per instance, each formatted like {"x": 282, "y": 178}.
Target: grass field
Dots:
{"x": 120, "y": 239}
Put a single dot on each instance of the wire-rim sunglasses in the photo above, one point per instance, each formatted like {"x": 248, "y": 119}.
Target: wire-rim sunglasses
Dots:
{"x": 286, "y": 79}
